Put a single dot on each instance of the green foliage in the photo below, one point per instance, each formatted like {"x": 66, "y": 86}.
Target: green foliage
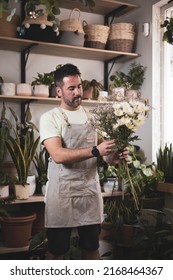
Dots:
{"x": 119, "y": 212}
{"x": 168, "y": 26}
{"x": 135, "y": 76}
{"x": 119, "y": 79}
{"x": 97, "y": 86}
{"x": 165, "y": 162}
{"x": 155, "y": 241}
{"x": 132, "y": 80}
{"x": 22, "y": 146}
{"x": 52, "y": 9}
{"x": 41, "y": 160}
{"x": 44, "y": 79}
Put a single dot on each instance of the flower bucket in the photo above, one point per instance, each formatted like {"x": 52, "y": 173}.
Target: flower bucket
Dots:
{"x": 16, "y": 229}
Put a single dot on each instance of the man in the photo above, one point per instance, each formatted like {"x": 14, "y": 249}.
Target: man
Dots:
{"x": 73, "y": 196}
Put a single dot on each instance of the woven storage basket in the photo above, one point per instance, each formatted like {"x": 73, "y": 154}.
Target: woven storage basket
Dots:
{"x": 9, "y": 29}
{"x": 72, "y": 24}
{"x": 122, "y": 26}
{"x": 96, "y": 36}
{"x": 121, "y": 37}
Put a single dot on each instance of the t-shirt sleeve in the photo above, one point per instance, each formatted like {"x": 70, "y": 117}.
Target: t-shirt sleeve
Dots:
{"x": 49, "y": 127}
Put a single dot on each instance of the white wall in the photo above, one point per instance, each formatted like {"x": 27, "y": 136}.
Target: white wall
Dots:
{"x": 10, "y": 65}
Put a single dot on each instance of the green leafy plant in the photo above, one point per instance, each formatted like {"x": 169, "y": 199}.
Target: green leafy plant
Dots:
{"x": 168, "y": 27}
{"x": 132, "y": 80}
{"x": 119, "y": 79}
{"x": 165, "y": 162}
{"x": 52, "y": 9}
{"x": 41, "y": 160}
{"x": 97, "y": 86}
{"x": 44, "y": 79}
{"x": 22, "y": 146}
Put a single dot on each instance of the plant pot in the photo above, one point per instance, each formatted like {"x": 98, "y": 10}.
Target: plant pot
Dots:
{"x": 4, "y": 191}
{"x": 22, "y": 192}
{"x": 8, "y": 89}
{"x": 31, "y": 180}
{"x": 24, "y": 89}
{"x": 16, "y": 229}
{"x": 41, "y": 90}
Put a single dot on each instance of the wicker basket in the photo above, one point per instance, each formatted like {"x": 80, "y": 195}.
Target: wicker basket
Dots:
{"x": 123, "y": 26}
{"x": 9, "y": 29}
{"x": 121, "y": 37}
{"x": 96, "y": 36}
{"x": 72, "y": 24}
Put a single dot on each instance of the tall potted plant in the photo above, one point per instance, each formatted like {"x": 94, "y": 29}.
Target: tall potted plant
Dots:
{"x": 22, "y": 148}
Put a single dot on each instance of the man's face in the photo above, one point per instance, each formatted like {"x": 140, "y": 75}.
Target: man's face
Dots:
{"x": 71, "y": 92}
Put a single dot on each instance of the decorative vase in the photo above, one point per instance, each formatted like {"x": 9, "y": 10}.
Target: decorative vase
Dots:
{"x": 16, "y": 229}
{"x": 22, "y": 192}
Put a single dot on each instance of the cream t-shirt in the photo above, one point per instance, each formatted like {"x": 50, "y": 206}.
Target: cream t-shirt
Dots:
{"x": 52, "y": 123}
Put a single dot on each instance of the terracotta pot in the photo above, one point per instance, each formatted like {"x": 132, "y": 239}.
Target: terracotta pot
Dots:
{"x": 16, "y": 229}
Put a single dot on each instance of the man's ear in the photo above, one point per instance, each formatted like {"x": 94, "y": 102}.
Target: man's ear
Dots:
{"x": 58, "y": 91}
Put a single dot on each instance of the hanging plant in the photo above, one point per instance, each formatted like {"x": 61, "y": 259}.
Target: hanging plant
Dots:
{"x": 168, "y": 33}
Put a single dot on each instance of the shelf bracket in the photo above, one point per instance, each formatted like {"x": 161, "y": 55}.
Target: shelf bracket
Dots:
{"x": 115, "y": 13}
{"x": 24, "y": 58}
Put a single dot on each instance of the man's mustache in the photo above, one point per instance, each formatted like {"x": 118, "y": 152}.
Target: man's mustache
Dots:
{"x": 77, "y": 97}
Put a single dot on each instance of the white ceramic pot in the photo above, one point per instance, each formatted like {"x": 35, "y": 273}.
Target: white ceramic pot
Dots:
{"x": 8, "y": 89}
{"x": 41, "y": 90}
{"x": 31, "y": 180}
{"x": 22, "y": 192}
{"x": 4, "y": 191}
{"x": 24, "y": 89}
{"x": 109, "y": 185}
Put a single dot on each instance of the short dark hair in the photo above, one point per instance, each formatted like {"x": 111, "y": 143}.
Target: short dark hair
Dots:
{"x": 65, "y": 71}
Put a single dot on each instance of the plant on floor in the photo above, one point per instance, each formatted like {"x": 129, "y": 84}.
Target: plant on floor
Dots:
{"x": 22, "y": 146}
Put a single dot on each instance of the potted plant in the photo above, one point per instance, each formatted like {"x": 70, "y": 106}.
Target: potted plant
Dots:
{"x": 91, "y": 89}
{"x": 22, "y": 148}
{"x": 165, "y": 162}
{"x": 131, "y": 82}
{"x": 135, "y": 76}
{"x": 43, "y": 84}
{"x": 41, "y": 160}
{"x": 168, "y": 30}
{"x": 118, "y": 84}
{"x": 52, "y": 9}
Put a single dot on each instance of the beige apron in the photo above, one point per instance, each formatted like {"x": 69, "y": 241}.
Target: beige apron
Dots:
{"x": 73, "y": 197}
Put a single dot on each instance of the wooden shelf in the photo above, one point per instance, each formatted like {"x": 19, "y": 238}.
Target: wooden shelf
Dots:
{"x": 61, "y": 50}
{"x": 102, "y": 7}
{"x": 165, "y": 187}
{"x": 43, "y": 100}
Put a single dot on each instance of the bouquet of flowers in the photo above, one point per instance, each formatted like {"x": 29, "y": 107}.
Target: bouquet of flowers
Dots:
{"x": 119, "y": 121}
